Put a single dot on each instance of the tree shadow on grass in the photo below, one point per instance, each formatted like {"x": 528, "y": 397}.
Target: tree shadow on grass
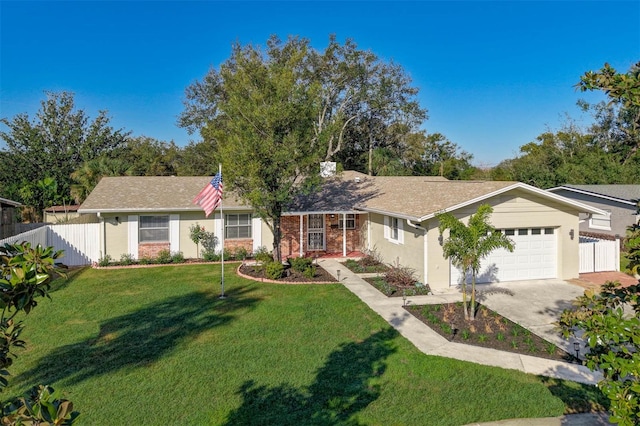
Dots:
{"x": 342, "y": 388}
{"x": 139, "y": 338}
{"x": 577, "y": 397}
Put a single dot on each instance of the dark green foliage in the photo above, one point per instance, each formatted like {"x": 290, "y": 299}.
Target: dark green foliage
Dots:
{"x": 274, "y": 270}
{"x": 632, "y": 249}
{"x": 309, "y": 272}
{"x": 125, "y": 259}
{"x": 25, "y": 273}
{"x": 41, "y": 154}
{"x": 105, "y": 260}
{"x": 241, "y": 253}
{"x": 177, "y": 257}
{"x": 263, "y": 255}
{"x": 164, "y": 256}
{"x": 613, "y": 339}
{"x": 300, "y": 264}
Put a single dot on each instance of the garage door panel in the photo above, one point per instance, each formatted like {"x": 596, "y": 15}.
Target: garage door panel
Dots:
{"x": 534, "y": 257}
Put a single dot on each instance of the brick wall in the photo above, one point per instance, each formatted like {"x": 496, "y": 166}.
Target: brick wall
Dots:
{"x": 233, "y": 244}
{"x": 290, "y": 244}
{"x": 151, "y": 250}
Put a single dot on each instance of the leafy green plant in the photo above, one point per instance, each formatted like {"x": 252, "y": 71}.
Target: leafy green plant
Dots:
{"x": 465, "y": 334}
{"x": 241, "y": 253}
{"x": 197, "y": 233}
{"x": 310, "y": 272}
{"x": 164, "y": 256}
{"x": 482, "y": 337}
{"x": 500, "y": 337}
{"x": 300, "y": 263}
{"x": 105, "y": 260}
{"x": 613, "y": 337}
{"x": 145, "y": 261}
{"x": 210, "y": 256}
{"x": 126, "y": 259}
{"x": 274, "y": 270}
{"x": 263, "y": 255}
{"x": 177, "y": 257}
{"x": 25, "y": 274}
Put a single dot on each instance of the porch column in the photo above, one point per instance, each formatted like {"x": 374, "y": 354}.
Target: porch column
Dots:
{"x": 301, "y": 235}
{"x": 344, "y": 235}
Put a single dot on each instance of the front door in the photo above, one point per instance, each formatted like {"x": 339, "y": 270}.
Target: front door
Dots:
{"x": 315, "y": 232}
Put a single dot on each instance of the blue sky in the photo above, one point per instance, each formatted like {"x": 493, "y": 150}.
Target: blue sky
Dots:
{"x": 493, "y": 75}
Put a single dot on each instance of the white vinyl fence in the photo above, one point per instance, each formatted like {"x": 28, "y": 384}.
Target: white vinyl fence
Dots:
{"x": 80, "y": 242}
{"x": 598, "y": 255}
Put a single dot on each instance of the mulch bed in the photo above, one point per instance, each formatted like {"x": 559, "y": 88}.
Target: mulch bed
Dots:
{"x": 291, "y": 277}
{"x": 489, "y": 330}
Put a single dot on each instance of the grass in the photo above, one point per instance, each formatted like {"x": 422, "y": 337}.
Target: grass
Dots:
{"x": 157, "y": 346}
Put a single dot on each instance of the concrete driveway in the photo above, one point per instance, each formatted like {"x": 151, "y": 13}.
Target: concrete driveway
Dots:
{"x": 534, "y": 304}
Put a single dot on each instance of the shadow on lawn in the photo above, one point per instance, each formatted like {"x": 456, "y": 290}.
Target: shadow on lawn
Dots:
{"x": 139, "y": 338}
{"x": 343, "y": 387}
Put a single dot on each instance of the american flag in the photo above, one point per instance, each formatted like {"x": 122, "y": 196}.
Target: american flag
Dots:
{"x": 211, "y": 195}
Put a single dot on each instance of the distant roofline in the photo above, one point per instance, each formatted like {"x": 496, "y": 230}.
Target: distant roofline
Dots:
{"x": 595, "y": 194}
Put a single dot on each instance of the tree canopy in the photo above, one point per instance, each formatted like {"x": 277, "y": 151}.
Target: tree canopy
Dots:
{"x": 273, "y": 114}
{"x": 42, "y": 153}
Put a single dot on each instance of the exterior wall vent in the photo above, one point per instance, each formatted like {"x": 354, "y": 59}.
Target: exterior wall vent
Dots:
{"x": 327, "y": 168}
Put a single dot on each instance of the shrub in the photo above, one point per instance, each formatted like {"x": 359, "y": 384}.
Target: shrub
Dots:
{"x": 209, "y": 241}
{"x": 105, "y": 260}
{"x": 301, "y": 264}
{"x": 228, "y": 254}
{"x": 400, "y": 276}
{"x": 371, "y": 258}
{"x": 210, "y": 256}
{"x": 241, "y": 253}
{"x": 177, "y": 257}
{"x": 263, "y": 255}
{"x": 310, "y": 272}
{"x": 144, "y": 261}
{"x": 164, "y": 256}
{"x": 126, "y": 259}
{"x": 274, "y": 270}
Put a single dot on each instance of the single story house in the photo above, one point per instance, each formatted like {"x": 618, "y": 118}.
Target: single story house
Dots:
{"x": 392, "y": 215}
{"x": 60, "y": 214}
{"x": 619, "y": 202}
{"x": 8, "y": 217}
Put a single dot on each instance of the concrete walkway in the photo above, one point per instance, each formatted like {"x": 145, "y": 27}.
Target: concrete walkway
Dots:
{"x": 432, "y": 343}
{"x": 523, "y": 303}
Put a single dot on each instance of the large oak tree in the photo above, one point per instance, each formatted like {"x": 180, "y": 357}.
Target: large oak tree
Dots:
{"x": 273, "y": 114}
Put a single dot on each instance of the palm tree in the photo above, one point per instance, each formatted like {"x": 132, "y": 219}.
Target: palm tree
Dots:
{"x": 468, "y": 244}
{"x": 89, "y": 174}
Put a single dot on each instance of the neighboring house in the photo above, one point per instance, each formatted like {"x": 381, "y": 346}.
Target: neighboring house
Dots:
{"x": 395, "y": 216}
{"x": 60, "y": 214}
{"x": 620, "y": 203}
{"x": 8, "y": 217}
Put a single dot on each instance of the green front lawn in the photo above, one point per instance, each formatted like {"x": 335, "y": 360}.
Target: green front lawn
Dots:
{"x": 157, "y": 346}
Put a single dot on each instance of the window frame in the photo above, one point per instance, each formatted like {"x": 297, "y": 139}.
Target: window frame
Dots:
{"x": 237, "y": 226}
{"x": 394, "y": 229}
{"x": 142, "y": 227}
{"x": 350, "y": 221}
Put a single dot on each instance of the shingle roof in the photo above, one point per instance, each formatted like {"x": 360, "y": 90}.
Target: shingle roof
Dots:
{"x": 150, "y": 193}
{"x": 622, "y": 192}
{"x": 412, "y": 197}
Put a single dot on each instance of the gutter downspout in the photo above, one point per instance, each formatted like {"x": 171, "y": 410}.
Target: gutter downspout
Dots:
{"x": 301, "y": 236}
{"x": 425, "y": 260}
{"x": 344, "y": 235}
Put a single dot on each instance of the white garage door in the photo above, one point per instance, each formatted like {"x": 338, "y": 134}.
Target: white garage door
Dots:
{"x": 535, "y": 257}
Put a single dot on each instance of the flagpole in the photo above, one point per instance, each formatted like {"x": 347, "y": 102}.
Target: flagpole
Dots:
{"x": 222, "y": 296}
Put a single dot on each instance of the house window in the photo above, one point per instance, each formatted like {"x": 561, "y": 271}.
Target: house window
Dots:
{"x": 393, "y": 229}
{"x": 600, "y": 221}
{"x": 351, "y": 221}
{"x": 315, "y": 232}
{"x": 237, "y": 226}
{"x": 153, "y": 229}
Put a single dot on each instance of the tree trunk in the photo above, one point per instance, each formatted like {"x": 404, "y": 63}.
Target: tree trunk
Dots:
{"x": 473, "y": 297}
{"x": 465, "y": 306}
{"x": 277, "y": 236}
